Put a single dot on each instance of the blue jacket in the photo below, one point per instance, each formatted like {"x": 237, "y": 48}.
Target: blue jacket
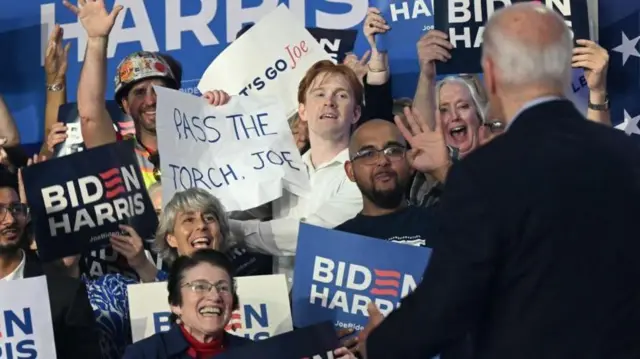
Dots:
{"x": 172, "y": 345}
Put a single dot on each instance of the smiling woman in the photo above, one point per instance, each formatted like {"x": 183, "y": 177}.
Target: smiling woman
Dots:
{"x": 202, "y": 295}
{"x": 192, "y": 220}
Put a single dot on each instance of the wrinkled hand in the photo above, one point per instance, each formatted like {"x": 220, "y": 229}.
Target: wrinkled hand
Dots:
{"x": 375, "y": 318}
{"x": 428, "y": 148}
{"x": 216, "y": 97}
{"x": 31, "y": 161}
{"x": 359, "y": 66}
{"x": 130, "y": 246}
{"x": 55, "y": 61}
{"x": 432, "y": 46}
{"x": 57, "y": 135}
{"x": 595, "y": 60}
{"x": 343, "y": 353}
{"x": 347, "y": 340}
{"x": 374, "y": 23}
{"x": 94, "y": 17}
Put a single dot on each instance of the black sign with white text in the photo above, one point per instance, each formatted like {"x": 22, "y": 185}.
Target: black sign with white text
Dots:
{"x": 335, "y": 42}
{"x": 464, "y": 20}
{"x": 78, "y": 201}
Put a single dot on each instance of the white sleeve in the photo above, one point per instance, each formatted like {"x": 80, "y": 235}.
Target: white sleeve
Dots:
{"x": 279, "y": 237}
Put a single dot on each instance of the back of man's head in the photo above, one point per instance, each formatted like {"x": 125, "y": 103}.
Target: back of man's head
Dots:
{"x": 528, "y": 44}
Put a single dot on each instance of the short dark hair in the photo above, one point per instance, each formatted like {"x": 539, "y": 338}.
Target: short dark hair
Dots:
{"x": 244, "y": 29}
{"x": 183, "y": 263}
{"x": 8, "y": 179}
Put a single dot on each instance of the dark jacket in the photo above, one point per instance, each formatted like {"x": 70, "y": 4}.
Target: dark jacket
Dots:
{"x": 74, "y": 326}
{"x": 172, "y": 345}
{"x": 539, "y": 250}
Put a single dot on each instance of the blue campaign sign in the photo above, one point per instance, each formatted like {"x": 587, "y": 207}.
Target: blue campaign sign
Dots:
{"x": 194, "y": 32}
{"x": 78, "y": 201}
{"x": 317, "y": 342}
{"x": 409, "y": 20}
{"x": 338, "y": 274}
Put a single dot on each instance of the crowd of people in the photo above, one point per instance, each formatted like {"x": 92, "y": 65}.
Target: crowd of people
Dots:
{"x": 527, "y": 205}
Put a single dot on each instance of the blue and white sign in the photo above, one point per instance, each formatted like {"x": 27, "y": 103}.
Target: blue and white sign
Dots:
{"x": 338, "y": 274}
{"x": 26, "y": 328}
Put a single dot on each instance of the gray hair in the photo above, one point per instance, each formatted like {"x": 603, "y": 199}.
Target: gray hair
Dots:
{"x": 521, "y": 64}
{"x": 155, "y": 187}
{"x": 475, "y": 96}
{"x": 193, "y": 199}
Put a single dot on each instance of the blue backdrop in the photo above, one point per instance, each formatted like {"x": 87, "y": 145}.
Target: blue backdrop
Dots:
{"x": 195, "y": 31}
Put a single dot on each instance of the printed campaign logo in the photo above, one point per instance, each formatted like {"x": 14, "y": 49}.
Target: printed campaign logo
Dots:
{"x": 78, "y": 201}
{"x": 17, "y": 335}
{"x": 338, "y": 274}
{"x": 108, "y": 197}
{"x": 251, "y": 321}
{"x": 350, "y": 287}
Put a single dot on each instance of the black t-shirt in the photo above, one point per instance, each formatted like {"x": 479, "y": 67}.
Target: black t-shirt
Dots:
{"x": 411, "y": 225}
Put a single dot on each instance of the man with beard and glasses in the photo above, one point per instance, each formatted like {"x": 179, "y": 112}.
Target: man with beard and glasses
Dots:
{"x": 379, "y": 167}
{"x": 71, "y": 313}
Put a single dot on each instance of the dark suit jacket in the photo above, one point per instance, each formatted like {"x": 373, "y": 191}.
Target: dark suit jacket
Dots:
{"x": 539, "y": 250}
{"x": 74, "y": 326}
{"x": 172, "y": 345}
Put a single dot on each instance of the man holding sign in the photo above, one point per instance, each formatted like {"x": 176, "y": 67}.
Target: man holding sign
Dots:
{"x": 330, "y": 100}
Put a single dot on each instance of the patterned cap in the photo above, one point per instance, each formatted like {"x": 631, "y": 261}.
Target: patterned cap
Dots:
{"x": 139, "y": 66}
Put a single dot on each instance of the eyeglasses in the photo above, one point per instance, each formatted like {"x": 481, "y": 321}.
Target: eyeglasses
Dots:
{"x": 20, "y": 210}
{"x": 204, "y": 287}
{"x": 495, "y": 126}
{"x": 369, "y": 156}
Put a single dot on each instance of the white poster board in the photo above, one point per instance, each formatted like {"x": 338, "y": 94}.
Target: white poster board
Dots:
{"x": 268, "y": 60}
{"x": 25, "y": 319}
{"x": 243, "y": 152}
{"x": 264, "y": 308}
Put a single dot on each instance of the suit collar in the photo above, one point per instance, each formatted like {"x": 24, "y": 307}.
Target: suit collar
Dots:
{"x": 546, "y": 115}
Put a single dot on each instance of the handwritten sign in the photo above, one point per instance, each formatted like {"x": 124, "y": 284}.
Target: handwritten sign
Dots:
{"x": 243, "y": 152}
{"x": 268, "y": 60}
{"x": 264, "y": 309}
{"x": 27, "y": 329}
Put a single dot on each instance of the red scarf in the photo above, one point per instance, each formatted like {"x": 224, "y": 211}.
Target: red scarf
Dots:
{"x": 199, "y": 350}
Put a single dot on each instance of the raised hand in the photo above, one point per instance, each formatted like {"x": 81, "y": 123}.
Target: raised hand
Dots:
{"x": 432, "y": 46}
{"x": 595, "y": 60}
{"x": 58, "y": 134}
{"x": 428, "y": 148}
{"x": 374, "y": 23}
{"x": 216, "y": 97}
{"x": 130, "y": 246}
{"x": 359, "y": 66}
{"x": 55, "y": 61}
{"x": 94, "y": 17}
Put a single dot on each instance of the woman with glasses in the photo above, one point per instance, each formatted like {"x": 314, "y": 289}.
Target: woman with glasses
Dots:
{"x": 202, "y": 296}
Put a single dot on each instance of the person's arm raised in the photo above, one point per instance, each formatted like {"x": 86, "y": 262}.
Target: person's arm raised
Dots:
{"x": 96, "y": 124}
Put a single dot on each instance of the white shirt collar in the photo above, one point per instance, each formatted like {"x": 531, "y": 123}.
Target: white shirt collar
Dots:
{"x": 341, "y": 157}
{"x": 17, "y": 273}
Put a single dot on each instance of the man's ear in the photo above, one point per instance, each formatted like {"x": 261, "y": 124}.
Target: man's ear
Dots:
{"x": 302, "y": 112}
{"x": 488, "y": 68}
{"x": 357, "y": 112}
{"x": 348, "y": 168}
{"x": 171, "y": 241}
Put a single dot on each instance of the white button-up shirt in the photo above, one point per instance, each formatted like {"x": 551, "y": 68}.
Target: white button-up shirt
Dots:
{"x": 332, "y": 200}
{"x": 17, "y": 273}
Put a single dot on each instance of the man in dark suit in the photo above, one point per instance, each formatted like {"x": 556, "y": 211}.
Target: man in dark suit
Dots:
{"x": 539, "y": 249}
{"x": 73, "y": 322}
